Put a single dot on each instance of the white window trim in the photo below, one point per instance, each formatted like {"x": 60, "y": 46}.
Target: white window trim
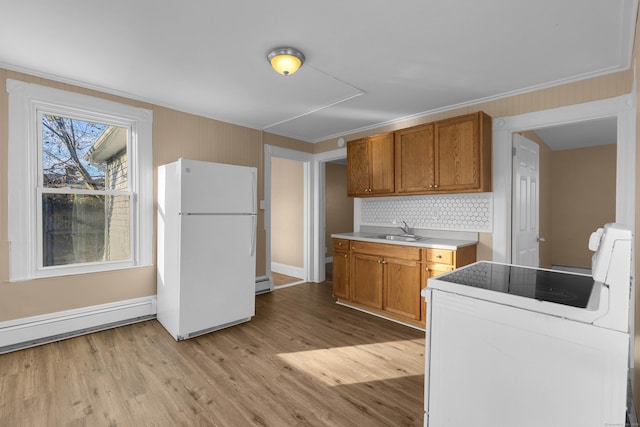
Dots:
{"x": 24, "y": 101}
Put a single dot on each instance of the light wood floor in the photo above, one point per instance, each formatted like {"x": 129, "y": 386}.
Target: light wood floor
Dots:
{"x": 282, "y": 279}
{"x": 302, "y": 361}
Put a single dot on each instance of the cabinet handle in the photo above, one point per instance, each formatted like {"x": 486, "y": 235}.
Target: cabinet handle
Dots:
{"x": 438, "y": 256}
{"x": 384, "y": 262}
{"x": 430, "y": 185}
{"x": 346, "y": 255}
{"x": 436, "y": 186}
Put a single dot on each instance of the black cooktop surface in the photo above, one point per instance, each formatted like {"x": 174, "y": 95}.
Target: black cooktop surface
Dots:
{"x": 553, "y": 286}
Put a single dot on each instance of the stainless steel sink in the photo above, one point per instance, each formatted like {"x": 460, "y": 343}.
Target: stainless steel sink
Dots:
{"x": 400, "y": 237}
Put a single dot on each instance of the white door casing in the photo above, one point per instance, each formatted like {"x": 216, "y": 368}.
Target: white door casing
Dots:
{"x": 525, "y": 228}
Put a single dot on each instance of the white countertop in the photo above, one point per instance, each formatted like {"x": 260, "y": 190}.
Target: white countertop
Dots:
{"x": 424, "y": 242}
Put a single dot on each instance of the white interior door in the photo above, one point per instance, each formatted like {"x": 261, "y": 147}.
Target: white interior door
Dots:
{"x": 526, "y": 202}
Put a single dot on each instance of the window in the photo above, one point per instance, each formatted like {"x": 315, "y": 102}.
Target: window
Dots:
{"x": 80, "y": 179}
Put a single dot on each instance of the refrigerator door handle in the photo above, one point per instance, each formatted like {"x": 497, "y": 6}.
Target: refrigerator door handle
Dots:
{"x": 253, "y": 235}
{"x": 254, "y": 195}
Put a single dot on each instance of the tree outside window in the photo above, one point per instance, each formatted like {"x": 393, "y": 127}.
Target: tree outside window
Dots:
{"x": 85, "y": 191}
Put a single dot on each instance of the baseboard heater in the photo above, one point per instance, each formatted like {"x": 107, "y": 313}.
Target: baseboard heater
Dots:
{"x": 263, "y": 285}
{"x": 32, "y": 331}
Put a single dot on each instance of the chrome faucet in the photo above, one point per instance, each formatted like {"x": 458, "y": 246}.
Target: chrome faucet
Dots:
{"x": 405, "y": 228}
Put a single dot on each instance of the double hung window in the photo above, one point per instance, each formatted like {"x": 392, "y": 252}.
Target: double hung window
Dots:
{"x": 80, "y": 177}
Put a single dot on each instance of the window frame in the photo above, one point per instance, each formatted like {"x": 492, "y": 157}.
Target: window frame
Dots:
{"x": 26, "y": 102}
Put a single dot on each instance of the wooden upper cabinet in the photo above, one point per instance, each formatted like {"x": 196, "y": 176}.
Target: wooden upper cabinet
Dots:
{"x": 415, "y": 171}
{"x": 370, "y": 166}
{"x": 358, "y": 167}
{"x": 448, "y": 156}
{"x": 463, "y": 154}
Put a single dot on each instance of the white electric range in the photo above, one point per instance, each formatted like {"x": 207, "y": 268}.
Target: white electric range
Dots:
{"x": 516, "y": 346}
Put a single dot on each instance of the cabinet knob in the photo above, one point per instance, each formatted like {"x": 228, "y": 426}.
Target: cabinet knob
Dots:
{"x": 438, "y": 256}
{"x": 346, "y": 256}
{"x": 436, "y": 186}
{"x": 430, "y": 185}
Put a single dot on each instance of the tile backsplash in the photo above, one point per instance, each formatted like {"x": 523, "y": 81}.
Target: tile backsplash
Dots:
{"x": 456, "y": 212}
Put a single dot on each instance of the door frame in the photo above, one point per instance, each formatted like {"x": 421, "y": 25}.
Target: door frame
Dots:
{"x": 622, "y": 107}
{"x": 271, "y": 151}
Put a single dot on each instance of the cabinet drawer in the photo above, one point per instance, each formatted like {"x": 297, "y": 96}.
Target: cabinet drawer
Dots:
{"x": 440, "y": 256}
{"x": 340, "y": 244}
{"x": 437, "y": 269}
{"x": 386, "y": 250}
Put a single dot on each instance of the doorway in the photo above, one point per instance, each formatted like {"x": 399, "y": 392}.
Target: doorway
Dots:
{"x": 622, "y": 109}
{"x": 322, "y": 233}
{"x": 338, "y": 208}
{"x": 287, "y": 221}
{"x": 305, "y": 159}
{"x": 577, "y": 192}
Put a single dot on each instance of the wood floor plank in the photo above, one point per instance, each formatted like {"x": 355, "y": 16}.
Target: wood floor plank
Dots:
{"x": 303, "y": 360}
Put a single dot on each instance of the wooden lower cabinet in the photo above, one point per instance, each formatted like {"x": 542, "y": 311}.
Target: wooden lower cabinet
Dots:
{"x": 402, "y": 284}
{"x": 367, "y": 279}
{"x": 341, "y": 269}
{"x": 341, "y": 273}
{"x": 434, "y": 270}
{"x": 387, "y": 279}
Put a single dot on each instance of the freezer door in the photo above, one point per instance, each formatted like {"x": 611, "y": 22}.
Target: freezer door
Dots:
{"x": 217, "y": 188}
{"x": 217, "y": 271}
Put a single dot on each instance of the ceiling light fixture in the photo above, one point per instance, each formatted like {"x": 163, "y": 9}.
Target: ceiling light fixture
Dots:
{"x": 285, "y": 60}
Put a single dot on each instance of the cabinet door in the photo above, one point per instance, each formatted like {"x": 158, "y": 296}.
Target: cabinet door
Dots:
{"x": 414, "y": 169}
{"x": 457, "y": 153}
{"x": 367, "y": 279}
{"x": 358, "y": 168}
{"x": 382, "y": 164}
{"x": 341, "y": 272}
{"x": 402, "y": 287}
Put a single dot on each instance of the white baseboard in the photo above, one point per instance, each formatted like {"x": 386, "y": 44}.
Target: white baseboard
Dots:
{"x": 36, "y": 330}
{"x": 289, "y": 270}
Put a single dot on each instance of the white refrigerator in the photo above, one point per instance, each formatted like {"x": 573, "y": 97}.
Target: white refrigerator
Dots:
{"x": 206, "y": 246}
